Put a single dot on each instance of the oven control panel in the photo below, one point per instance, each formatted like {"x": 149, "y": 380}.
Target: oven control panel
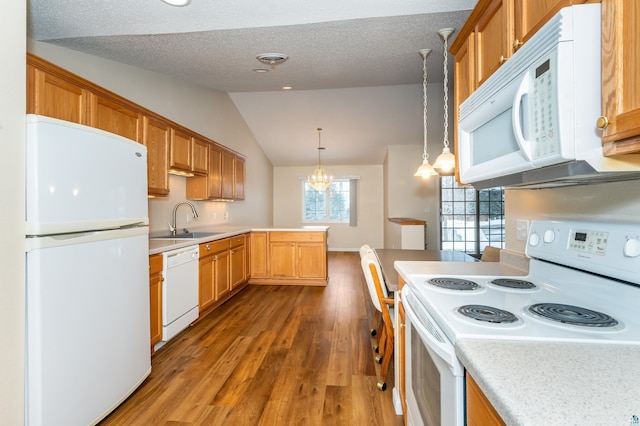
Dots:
{"x": 594, "y": 242}
{"x": 603, "y": 248}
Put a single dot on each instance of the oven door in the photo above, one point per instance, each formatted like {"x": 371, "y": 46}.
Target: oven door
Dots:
{"x": 434, "y": 376}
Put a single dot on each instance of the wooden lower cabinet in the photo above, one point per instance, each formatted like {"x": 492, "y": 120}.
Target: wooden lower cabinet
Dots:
{"x": 480, "y": 412}
{"x": 155, "y": 298}
{"x": 289, "y": 257}
{"x": 222, "y": 271}
{"x": 401, "y": 357}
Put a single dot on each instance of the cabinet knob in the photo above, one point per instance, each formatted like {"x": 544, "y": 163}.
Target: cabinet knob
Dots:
{"x": 602, "y": 122}
{"x": 208, "y": 247}
{"x": 503, "y": 59}
{"x": 517, "y": 44}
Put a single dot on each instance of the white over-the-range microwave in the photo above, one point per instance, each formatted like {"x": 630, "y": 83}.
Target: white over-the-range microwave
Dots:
{"x": 533, "y": 122}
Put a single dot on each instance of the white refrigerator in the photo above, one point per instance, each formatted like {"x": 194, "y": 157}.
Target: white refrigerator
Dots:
{"x": 87, "y": 272}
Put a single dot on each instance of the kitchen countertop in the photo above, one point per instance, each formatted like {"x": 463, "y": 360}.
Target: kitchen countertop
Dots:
{"x": 225, "y": 231}
{"x": 553, "y": 383}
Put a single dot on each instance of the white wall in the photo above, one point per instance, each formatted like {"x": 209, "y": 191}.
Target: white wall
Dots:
{"x": 288, "y": 204}
{"x": 208, "y": 112}
{"x": 607, "y": 202}
{"x": 408, "y": 195}
{"x": 12, "y": 289}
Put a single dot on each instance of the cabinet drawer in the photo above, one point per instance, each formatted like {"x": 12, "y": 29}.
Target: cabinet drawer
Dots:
{"x": 297, "y": 236}
{"x": 237, "y": 241}
{"x": 155, "y": 264}
{"x": 213, "y": 247}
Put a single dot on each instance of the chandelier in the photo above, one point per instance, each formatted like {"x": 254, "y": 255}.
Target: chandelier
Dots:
{"x": 425, "y": 170}
{"x": 320, "y": 181}
{"x": 446, "y": 162}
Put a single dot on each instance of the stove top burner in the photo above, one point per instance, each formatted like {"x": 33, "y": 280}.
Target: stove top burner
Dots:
{"x": 487, "y": 314}
{"x": 513, "y": 283}
{"x": 573, "y": 315}
{"x": 453, "y": 283}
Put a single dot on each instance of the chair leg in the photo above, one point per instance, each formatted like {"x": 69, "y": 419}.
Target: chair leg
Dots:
{"x": 374, "y": 326}
{"x": 386, "y": 360}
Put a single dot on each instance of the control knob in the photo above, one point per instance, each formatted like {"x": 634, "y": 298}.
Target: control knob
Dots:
{"x": 632, "y": 247}
{"x": 534, "y": 239}
{"x": 549, "y": 236}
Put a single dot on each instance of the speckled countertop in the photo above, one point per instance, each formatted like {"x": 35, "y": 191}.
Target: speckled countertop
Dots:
{"x": 224, "y": 231}
{"x": 548, "y": 383}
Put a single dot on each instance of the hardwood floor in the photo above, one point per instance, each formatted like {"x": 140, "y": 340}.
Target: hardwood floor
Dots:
{"x": 272, "y": 355}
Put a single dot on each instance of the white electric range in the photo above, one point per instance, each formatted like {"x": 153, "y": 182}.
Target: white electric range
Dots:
{"x": 583, "y": 285}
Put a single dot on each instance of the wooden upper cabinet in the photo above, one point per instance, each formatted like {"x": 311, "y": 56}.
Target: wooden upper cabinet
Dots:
{"x": 621, "y": 76}
{"x": 53, "y": 96}
{"x": 181, "y": 152}
{"x": 239, "y": 178}
{"x": 494, "y": 35}
{"x": 530, "y": 15}
{"x": 115, "y": 116}
{"x": 156, "y": 138}
{"x": 200, "y": 156}
{"x": 228, "y": 164}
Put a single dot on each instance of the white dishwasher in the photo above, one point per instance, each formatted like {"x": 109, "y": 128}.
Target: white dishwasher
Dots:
{"x": 179, "y": 291}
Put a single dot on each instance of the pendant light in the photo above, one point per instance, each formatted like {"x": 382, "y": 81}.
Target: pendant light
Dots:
{"x": 320, "y": 181}
{"x": 425, "y": 170}
{"x": 446, "y": 162}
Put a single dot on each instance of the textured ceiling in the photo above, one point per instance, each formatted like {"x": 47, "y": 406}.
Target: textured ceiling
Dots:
{"x": 333, "y": 47}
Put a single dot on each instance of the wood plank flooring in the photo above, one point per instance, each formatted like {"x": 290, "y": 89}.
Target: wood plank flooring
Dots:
{"x": 272, "y": 355}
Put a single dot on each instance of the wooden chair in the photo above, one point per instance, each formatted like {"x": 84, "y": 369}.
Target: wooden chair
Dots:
{"x": 383, "y": 304}
{"x": 376, "y": 315}
{"x": 490, "y": 254}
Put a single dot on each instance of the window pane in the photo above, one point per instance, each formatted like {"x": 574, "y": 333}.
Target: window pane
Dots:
{"x": 329, "y": 205}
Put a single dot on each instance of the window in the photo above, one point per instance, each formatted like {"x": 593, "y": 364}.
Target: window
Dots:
{"x": 470, "y": 219}
{"x": 332, "y": 205}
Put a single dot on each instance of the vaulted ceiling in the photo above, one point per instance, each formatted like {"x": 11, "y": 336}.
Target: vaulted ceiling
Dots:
{"x": 353, "y": 67}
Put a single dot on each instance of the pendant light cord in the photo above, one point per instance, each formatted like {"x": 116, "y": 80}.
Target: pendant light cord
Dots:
{"x": 446, "y": 95}
{"x": 425, "y": 154}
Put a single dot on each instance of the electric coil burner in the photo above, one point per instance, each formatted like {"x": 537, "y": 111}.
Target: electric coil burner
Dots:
{"x": 453, "y": 283}
{"x": 573, "y": 315}
{"x": 513, "y": 283}
{"x": 487, "y": 314}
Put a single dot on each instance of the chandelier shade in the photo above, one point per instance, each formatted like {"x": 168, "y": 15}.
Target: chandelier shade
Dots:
{"x": 446, "y": 162}
{"x": 320, "y": 180}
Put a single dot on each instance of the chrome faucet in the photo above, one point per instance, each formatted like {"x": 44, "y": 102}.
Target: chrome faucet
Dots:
{"x": 172, "y": 226}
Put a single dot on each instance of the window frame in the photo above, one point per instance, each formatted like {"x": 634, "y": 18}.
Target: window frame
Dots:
{"x": 328, "y": 196}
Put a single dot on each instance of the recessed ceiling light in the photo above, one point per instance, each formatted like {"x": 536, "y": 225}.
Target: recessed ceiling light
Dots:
{"x": 260, "y": 70}
{"x": 286, "y": 87}
{"x": 272, "y": 58}
{"x": 178, "y": 3}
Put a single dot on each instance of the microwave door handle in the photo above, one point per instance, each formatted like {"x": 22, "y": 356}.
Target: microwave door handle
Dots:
{"x": 523, "y": 90}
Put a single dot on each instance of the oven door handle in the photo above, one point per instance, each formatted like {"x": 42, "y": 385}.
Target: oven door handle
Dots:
{"x": 431, "y": 334}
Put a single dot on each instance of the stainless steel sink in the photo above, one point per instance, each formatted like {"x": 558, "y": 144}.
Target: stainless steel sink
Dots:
{"x": 185, "y": 236}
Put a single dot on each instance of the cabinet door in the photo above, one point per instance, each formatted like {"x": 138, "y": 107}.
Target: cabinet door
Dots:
{"x": 181, "y": 152}
{"x": 258, "y": 254}
{"x": 114, "y": 116}
{"x": 200, "y": 156}
{"x": 401, "y": 360}
{"x": 222, "y": 282}
{"x": 311, "y": 260}
{"x": 237, "y": 267}
{"x": 480, "y": 412}
{"x": 494, "y": 35}
{"x": 239, "y": 177}
{"x": 282, "y": 259}
{"x": 206, "y": 293}
{"x": 156, "y": 139}
{"x": 228, "y": 160}
{"x": 530, "y": 15}
{"x": 215, "y": 172}
{"x": 55, "y": 97}
{"x": 621, "y": 76}
{"x": 155, "y": 298}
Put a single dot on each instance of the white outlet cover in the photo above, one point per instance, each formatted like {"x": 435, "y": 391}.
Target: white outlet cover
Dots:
{"x": 522, "y": 229}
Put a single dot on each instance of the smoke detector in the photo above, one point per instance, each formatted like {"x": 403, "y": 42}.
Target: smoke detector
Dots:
{"x": 272, "y": 58}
